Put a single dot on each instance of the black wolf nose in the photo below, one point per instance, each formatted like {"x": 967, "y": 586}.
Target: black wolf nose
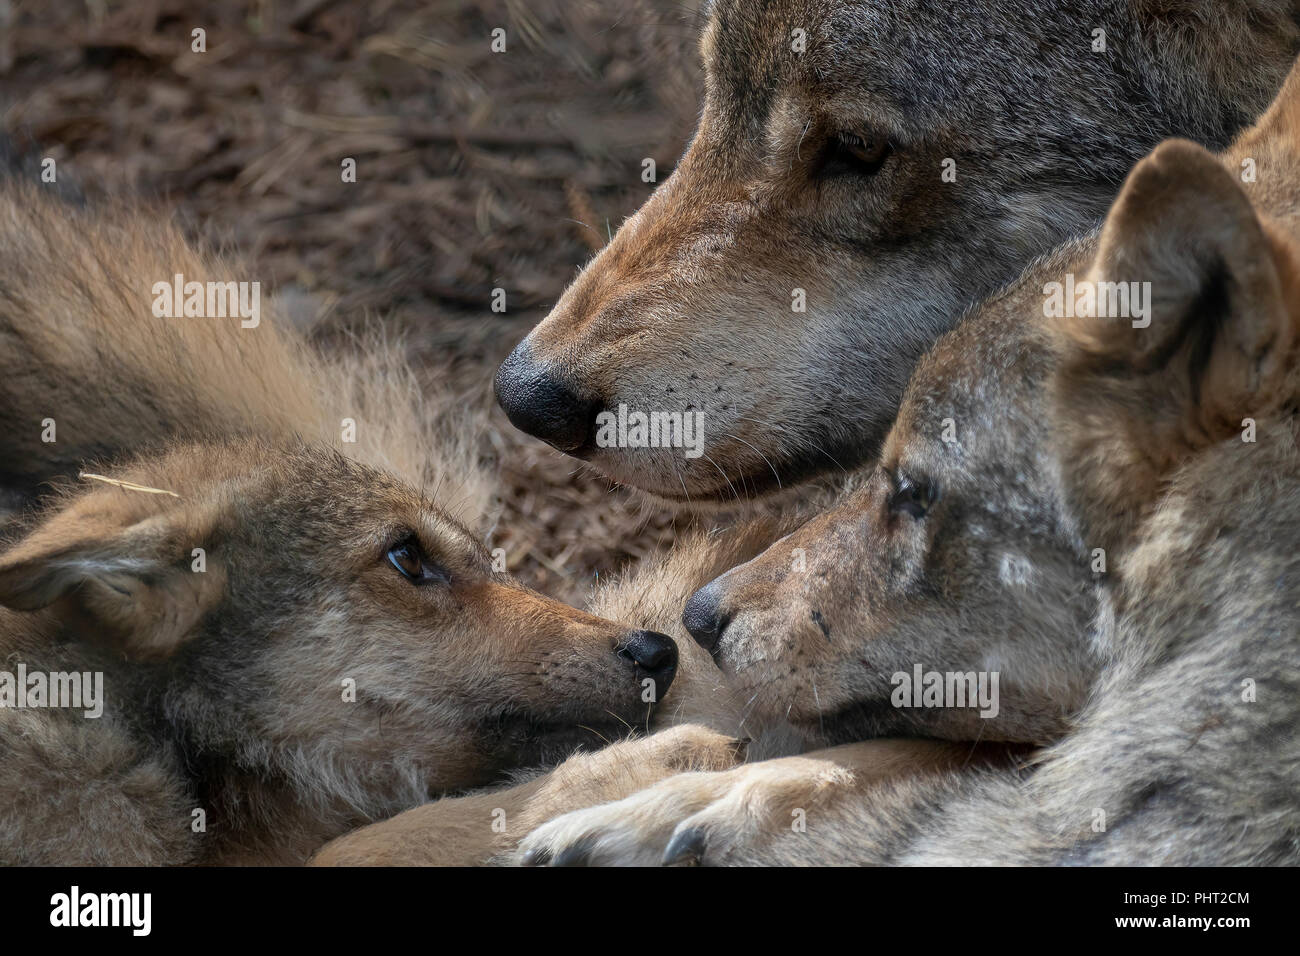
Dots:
{"x": 703, "y": 616}
{"x": 655, "y": 656}
{"x": 539, "y": 404}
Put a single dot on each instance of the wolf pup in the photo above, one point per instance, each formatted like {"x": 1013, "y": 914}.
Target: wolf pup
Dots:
{"x": 1171, "y": 445}
{"x": 861, "y": 173}
{"x": 245, "y": 642}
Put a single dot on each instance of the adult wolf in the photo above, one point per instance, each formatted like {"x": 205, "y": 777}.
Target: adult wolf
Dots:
{"x": 880, "y": 165}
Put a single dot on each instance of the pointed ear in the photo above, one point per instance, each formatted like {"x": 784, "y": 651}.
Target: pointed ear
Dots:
{"x": 1209, "y": 334}
{"x": 1272, "y": 142}
{"x": 115, "y": 574}
{"x": 1135, "y": 394}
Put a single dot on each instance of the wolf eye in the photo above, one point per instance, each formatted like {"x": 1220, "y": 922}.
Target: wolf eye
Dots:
{"x": 409, "y": 558}
{"x": 852, "y": 152}
{"x": 912, "y": 496}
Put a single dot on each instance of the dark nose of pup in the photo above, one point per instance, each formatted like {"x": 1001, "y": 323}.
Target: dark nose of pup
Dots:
{"x": 703, "y": 616}
{"x": 654, "y": 655}
{"x": 538, "y": 403}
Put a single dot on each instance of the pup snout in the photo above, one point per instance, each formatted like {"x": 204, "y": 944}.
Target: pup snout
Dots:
{"x": 654, "y": 655}
{"x": 703, "y": 616}
{"x": 538, "y": 402}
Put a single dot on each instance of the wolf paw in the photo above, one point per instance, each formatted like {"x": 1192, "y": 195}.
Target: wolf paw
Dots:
{"x": 707, "y": 819}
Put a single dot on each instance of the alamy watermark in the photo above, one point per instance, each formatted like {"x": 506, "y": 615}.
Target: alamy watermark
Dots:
{"x": 66, "y": 689}
{"x": 924, "y": 688}
{"x": 208, "y": 300}
{"x": 133, "y": 911}
{"x": 624, "y": 429}
{"x": 1098, "y": 300}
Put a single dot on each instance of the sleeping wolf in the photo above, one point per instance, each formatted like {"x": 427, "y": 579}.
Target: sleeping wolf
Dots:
{"x": 1142, "y": 462}
{"x": 862, "y": 172}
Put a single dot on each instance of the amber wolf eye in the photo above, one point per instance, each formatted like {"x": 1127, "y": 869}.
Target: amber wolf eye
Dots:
{"x": 863, "y": 154}
{"x": 409, "y": 558}
{"x": 912, "y": 496}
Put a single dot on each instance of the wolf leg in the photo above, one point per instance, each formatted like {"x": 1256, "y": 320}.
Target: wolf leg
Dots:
{"x": 736, "y": 815}
{"x": 470, "y": 830}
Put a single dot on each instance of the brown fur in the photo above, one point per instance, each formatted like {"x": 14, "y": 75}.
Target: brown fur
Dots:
{"x": 1202, "y": 379}
{"x": 79, "y": 344}
{"x": 473, "y": 829}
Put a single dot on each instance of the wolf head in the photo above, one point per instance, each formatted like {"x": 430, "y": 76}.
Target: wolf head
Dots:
{"x": 1032, "y": 457}
{"x": 301, "y": 617}
{"x": 955, "y": 553}
{"x": 861, "y": 172}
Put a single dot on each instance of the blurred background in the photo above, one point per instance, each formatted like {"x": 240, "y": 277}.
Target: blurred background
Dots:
{"x": 475, "y": 170}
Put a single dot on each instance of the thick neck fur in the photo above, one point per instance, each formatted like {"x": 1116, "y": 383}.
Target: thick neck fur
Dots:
{"x": 273, "y": 803}
{"x": 262, "y": 804}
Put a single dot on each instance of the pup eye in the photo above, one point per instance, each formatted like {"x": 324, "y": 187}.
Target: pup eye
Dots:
{"x": 912, "y": 496}
{"x": 409, "y": 558}
{"x": 852, "y": 152}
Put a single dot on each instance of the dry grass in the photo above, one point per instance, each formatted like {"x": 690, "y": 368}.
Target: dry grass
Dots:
{"x": 125, "y": 485}
{"x": 474, "y": 170}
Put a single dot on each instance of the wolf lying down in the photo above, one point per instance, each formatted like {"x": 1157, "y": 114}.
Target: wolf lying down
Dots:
{"x": 1113, "y": 527}
{"x": 291, "y": 637}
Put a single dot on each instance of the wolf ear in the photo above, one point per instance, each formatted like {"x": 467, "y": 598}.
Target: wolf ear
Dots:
{"x": 113, "y": 574}
{"x": 1208, "y": 337}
